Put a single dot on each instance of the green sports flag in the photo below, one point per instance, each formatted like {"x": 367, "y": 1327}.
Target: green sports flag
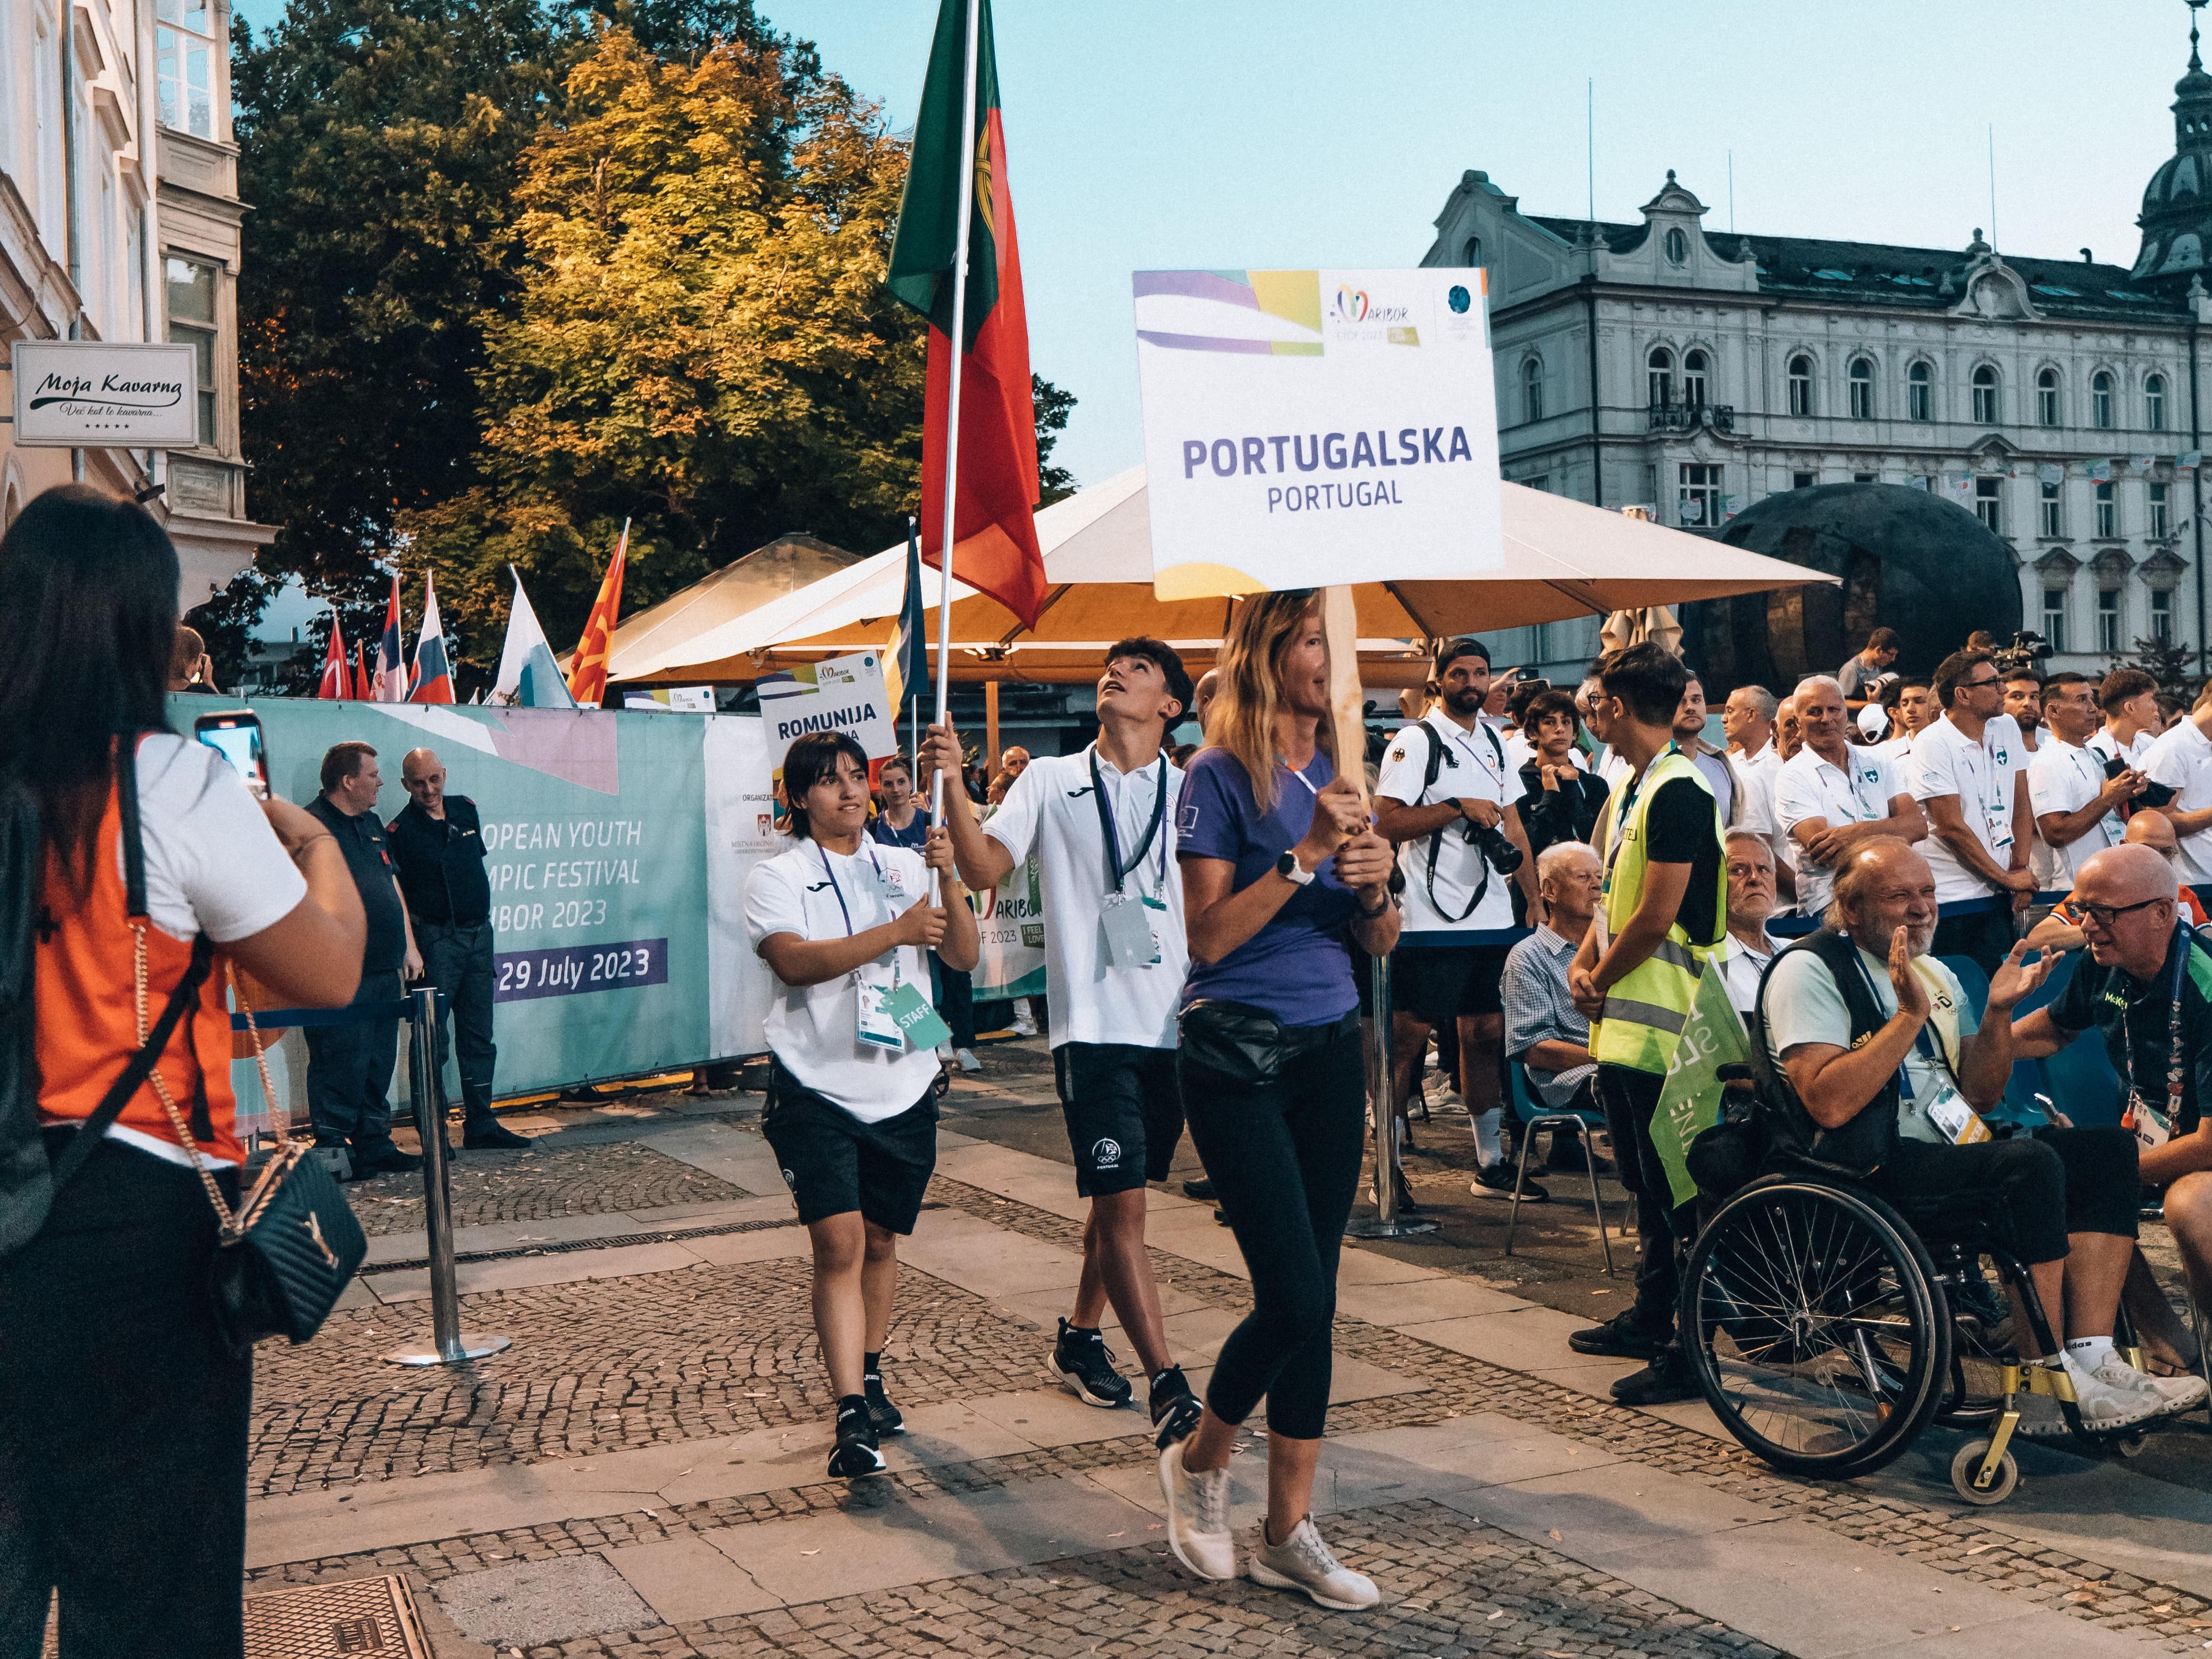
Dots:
{"x": 1690, "y": 1100}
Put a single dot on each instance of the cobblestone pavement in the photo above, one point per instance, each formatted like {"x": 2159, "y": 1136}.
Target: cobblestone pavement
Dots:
{"x": 541, "y": 1182}
{"x": 601, "y": 1365}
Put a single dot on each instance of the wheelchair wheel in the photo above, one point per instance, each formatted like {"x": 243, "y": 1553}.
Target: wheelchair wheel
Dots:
{"x": 1814, "y": 1322}
{"x": 1967, "y": 1464}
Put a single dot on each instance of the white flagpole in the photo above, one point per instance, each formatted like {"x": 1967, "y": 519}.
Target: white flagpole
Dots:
{"x": 953, "y": 399}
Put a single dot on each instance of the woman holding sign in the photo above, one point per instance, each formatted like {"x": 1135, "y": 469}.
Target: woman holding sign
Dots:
{"x": 1282, "y": 872}
{"x": 842, "y": 922}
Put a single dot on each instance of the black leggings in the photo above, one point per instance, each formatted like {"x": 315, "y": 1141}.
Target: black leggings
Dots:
{"x": 2061, "y": 1181}
{"x": 122, "y": 1422}
{"x": 1283, "y": 1158}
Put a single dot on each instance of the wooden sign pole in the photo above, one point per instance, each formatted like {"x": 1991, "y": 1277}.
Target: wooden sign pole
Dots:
{"x": 1340, "y": 625}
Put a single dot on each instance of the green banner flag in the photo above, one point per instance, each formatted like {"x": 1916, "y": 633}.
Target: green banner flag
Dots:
{"x": 1690, "y": 1101}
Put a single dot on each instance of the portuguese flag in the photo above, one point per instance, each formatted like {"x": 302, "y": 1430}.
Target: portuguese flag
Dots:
{"x": 995, "y": 536}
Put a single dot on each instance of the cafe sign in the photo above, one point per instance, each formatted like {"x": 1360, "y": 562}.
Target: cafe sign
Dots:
{"x": 94, "y": 394}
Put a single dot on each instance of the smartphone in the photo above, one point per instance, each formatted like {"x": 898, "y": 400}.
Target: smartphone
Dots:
{"x": 2050, "y": 1112}
{"x": 237, "y": 738}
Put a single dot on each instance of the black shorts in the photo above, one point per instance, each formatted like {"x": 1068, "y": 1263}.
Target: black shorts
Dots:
{"x": 1124, "y": 1111}
{"x": 833, "y": 1162}
{"x": 1436, "y": 984}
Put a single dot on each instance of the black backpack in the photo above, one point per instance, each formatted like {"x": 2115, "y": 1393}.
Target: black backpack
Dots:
{"x": 1856, "y": 1149}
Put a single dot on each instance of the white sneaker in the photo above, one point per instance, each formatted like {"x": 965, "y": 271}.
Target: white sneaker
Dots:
{"x": 1024, "y": 1026}
{"x": 968, "y": 1061}
{"x": 2180, "y": 1393}
{"x": 1303, "y": 1562}
{"x": 1198, "y": 1515}
{"x": 2115, "y": 1395}
{"x": 944, "y": 1054}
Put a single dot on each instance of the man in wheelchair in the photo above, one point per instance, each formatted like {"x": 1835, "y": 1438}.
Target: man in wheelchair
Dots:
{"x": 2147, "y": 988}
{"x": 1881, "y": 1071}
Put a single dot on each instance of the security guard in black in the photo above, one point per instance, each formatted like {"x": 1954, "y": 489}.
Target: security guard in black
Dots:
{"x": 441, "y": 865}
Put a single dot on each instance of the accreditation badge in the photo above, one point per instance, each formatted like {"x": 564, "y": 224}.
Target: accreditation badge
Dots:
{"x": 2151, "y": 1130}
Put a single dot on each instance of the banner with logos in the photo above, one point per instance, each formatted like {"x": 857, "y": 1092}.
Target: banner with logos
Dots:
{"x": 1010, "y": 926}
{"x": 1300, "y": 424}
{"x": 840, "y": 693}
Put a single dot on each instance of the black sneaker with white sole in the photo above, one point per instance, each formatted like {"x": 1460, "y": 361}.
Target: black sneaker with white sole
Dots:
{"x": 885, "y": 1416}
{"x": 855, "y": 1454}
{"x": 1176, "y": 1409}
{"x": 1496, "y": 1181}
{"x": 1085, "y": 1363}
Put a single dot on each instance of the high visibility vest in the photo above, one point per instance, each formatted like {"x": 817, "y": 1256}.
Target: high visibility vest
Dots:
{"x": 1646, "y": 1008}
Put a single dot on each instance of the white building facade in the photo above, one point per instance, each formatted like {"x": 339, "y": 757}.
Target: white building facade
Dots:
{"x": 1695, "y": 372}
{"x": 120, "y": 220}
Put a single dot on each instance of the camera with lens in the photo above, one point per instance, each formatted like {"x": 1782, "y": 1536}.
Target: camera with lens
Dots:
{"x": 2028, "y": 649}
{"x": 1502, "y": 855}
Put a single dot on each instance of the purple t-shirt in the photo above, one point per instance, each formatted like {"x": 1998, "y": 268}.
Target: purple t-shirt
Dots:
{"x": 1297, "y": 966}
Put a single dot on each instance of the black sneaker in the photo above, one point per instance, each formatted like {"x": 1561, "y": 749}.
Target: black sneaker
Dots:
{"x": 1496, "y": 1181}
{"x": 1200, "y": 1188}
{"x": 1661, "y": 1382}
{"x": 1406, "y": 1203}
{"x": 1567, "y": 1160}
{"x": 886, "y": 1417}
{"x": 494, "y": 1138}
{"x": 390, "y": 1161}
{"x": 1176, "y": 1409}
{"x": 1624, "y": 1336}
{"x": 1085, "y": 1363}
{"x": 855, "y": 1454}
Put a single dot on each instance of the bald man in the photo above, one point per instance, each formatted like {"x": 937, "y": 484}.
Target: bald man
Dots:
{"x": 437, "y": 842}
{"x": 2061, "y": 929}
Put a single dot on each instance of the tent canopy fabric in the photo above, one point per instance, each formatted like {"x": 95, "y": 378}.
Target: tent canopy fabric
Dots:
{"x": 1563, "y": 559}
{"x": 789, "y": 564}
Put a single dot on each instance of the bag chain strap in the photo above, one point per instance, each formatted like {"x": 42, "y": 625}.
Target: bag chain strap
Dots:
{"x": 234, "y": 1224}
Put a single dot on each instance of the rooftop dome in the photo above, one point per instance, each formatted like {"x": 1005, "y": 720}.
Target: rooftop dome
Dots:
{"x": 1909, "y": 561}
{"x": 2177, "y": 206}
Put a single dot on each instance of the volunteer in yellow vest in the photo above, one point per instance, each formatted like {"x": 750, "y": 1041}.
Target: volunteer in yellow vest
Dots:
{"x": 1635, "y": 978}
{"x": 1861, "y": 1020}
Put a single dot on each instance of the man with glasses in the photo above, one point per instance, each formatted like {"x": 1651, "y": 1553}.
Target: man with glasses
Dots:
{"x": 2061, "y": 929}
{"x": 2147, "y": 989}
{"x": 1969, "y": 772}
{"x": 1829, "y": 797}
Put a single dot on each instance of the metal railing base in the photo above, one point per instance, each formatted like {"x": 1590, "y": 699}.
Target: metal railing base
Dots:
{"x": 1377, "y": 1226}
{"x": 471, "y": 1345}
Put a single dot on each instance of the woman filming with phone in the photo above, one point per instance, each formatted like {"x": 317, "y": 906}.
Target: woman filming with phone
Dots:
{"x": 122, "y": 1409}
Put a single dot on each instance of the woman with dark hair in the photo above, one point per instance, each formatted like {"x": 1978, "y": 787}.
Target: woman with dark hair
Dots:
{"x": 1282, "y": 870}
{"x": 843, "y": 921}
{"x": 1563, "y": 802}
{"x": 123, "y": 1413}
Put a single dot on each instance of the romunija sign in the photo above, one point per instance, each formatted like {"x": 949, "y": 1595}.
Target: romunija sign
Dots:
{"x": 98, "y": 394}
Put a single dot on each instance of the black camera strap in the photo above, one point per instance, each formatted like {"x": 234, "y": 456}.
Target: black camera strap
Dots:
{"x": 1439, "y": 758}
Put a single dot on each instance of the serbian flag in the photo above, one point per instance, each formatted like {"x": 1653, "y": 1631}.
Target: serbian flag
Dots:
{"x": 337, "y": 681}
{"x": 994, "y": 536}
{"x": 434, "y": 673}
{"x": 587, "y": 669}
{"x": 364, "y": 682}
{"x": 389, "y": 684}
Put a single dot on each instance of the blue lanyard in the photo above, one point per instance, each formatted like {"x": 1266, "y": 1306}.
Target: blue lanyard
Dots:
{"x": 821, "y": 853}
{"x": 1114, "y": 868}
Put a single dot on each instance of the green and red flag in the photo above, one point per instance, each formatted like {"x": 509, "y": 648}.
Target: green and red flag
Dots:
{"x": 994, "y": 535}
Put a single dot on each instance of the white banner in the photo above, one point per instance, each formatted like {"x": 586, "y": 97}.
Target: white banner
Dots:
{"x": 740, "y": 832}
{"x": 1302, "y": 424}
{"x": 842, "y": 694}
{"x": 93, "y": 394}
{"x": 1010, "y": 926}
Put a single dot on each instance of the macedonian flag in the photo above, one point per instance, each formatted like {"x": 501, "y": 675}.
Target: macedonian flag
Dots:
{"x": 994, "y": 537}
{"x": 587, "y": 669}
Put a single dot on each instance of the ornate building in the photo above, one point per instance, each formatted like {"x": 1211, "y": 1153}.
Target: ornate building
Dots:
{"x": 1693, "y": 372}
{"x": 120, "y": 220}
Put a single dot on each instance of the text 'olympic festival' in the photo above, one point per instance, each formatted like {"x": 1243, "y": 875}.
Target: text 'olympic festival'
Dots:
{"x": 1229, "y": 457}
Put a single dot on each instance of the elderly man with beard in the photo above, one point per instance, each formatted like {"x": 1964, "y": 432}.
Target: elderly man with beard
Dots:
{"x": 1860, "y": 1019}
{"x": 2147, "y": 988}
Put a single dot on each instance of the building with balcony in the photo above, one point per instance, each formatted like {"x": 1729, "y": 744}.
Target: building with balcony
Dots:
{"x": 1667, "y": 364}
{"x": 120, "y": 220}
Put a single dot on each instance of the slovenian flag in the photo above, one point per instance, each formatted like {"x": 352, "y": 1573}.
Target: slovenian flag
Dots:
{"x": 391, "y": 685}
{"x": 434, "y": 673}
{"x": 528, "y": 676}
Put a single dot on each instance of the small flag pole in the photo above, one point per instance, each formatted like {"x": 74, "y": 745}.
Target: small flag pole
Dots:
{"x": 952, "y": 404}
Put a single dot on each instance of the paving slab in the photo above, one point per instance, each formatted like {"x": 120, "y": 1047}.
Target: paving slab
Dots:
{"x": 530, "y": 1603}
{"x": 1527, "y": 1339}
{"x": 1053, "y": 1417}
{"x": 1359, "y": 1267}
{"x": 768, "y": 1244}
{"x": 522, "y": 1272}
{"x": 683, "y": 1579}
{"x": 1610, "y": 1507}
{"x": 2034, "y": 1633}
{"x": 1193, "y": 1235}
{"x": 1408, "y": 1302}
{"x": 988, "y": 1261}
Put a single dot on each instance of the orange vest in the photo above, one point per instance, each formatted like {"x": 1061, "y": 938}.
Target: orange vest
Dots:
{"x": 87, "y": 1027}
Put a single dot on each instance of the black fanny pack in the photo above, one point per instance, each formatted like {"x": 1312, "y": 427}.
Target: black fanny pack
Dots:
{"x": 1246, "y": 1044}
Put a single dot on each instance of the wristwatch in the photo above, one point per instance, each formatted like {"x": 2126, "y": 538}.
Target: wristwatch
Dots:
{"x": 1290, "y": 870}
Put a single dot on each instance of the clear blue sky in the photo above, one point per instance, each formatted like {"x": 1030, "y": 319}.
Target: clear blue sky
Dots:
{"x": 1206, "y": 133}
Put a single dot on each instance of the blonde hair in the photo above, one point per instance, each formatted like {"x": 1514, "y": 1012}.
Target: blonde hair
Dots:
{"x": 1242, "y": 717}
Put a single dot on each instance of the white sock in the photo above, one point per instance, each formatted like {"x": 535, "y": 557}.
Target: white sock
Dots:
{"x": 1487, "y": 1149}
{"x": 2089, "y": 1351}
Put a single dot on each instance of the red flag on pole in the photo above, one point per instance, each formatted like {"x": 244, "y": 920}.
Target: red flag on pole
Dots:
{"x": 364, "y": 682}
{"x": 587, "y": 669}
{"x": 337, "y": 683}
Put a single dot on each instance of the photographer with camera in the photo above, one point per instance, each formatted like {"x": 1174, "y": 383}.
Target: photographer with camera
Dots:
{"x": 1858, "y": 673}
{"x": 1447, "y": 799}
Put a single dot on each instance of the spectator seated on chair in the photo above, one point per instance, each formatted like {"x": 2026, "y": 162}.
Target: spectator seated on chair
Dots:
{"x": 1882, "y": 1068}
{"x": 2147, "y": 988}
{"x": 1745, "y": 953}
{"x": 2061, "y": 929}
{"x": 1544, "y": 1032}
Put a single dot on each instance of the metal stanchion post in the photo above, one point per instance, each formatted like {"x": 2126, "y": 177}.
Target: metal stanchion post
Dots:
{"x": 450, "y": 1344}
{"x": 1386, "y": 1221}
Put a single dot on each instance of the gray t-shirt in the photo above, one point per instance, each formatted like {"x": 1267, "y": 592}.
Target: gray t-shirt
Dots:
{"x": 1804, "y": 1004}
{"x": 1853, "y": 676}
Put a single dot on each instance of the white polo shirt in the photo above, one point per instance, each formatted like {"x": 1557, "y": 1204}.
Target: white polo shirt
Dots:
{"x": 814, "y": 1030}
{"x": 1052, "y": 811}
{"x": 1946, "y": 762}
{"x": 2064, "y": 777}
{"x": 1474, "y": 767}
{"x": 2103, "y": 744}
{"x": 1809, "y": 786}
{"x": 2182, "y": 760}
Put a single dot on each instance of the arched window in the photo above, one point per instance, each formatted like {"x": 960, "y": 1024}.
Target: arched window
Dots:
{"x": 1532, "y": 389}
{"x": 2100, "y": 400}
{"x": 1677, "y": 246}
{"x": 2155, "y": 403}
{"x": 2046, "y": 396}
{"x": 1695, "y": 366}
{"x": 1920, "y": 392}
{"x": 1659, "y": 376}
{"x": 1474, "y": 251}
{"x": 1986, "y": 395}
{"x": 1862, "y": 384}
{"x": 1801, "y": 385}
